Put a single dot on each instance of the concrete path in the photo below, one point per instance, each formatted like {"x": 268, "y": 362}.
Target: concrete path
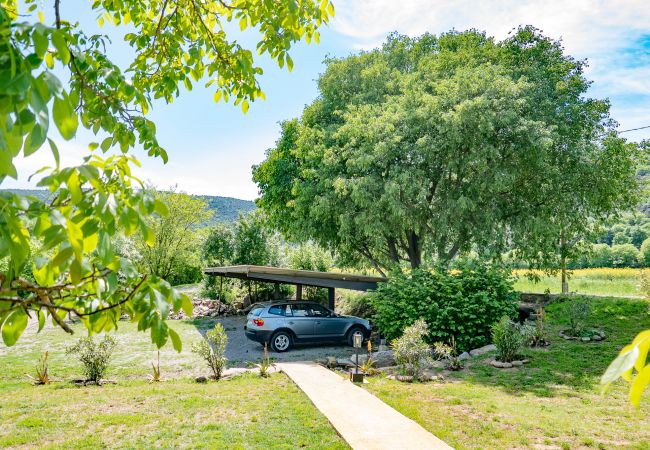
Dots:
{"x": 364, "y": 421}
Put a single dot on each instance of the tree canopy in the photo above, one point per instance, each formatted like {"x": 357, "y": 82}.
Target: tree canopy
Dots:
{"x": 432, "y": 146}
{"x": 175, "y": 44}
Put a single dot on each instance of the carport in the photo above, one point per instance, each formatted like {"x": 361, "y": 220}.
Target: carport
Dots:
{"x": 299, "y": 278}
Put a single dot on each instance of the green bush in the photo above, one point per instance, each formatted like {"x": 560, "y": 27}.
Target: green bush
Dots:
{"x": 601, "y": 256}
{"x": 355, "y": 304}
{"x": 94, "y": 357}
{"x": 644, "y": 254}
{"x": 462, "y": 303}
{"x": 508, "y": 339}
{"x": 625, "y": 255}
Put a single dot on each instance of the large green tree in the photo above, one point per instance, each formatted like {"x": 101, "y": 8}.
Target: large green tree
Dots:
{"x": 178, "y": 236}
{"x": 175, "y": 44}
{"x": 432, "y": 146}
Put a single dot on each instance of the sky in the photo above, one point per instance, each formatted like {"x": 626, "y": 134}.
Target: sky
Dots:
{"x": 212, "y": 146}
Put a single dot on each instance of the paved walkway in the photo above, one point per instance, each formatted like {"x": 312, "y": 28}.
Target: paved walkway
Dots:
{"x": 364, "y": 421}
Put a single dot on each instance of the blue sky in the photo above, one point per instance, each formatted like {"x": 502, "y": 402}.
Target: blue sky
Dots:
{"x": 212, "y": 146}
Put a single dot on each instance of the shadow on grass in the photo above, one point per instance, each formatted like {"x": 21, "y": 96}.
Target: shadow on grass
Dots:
{"x": 566, "y": 366}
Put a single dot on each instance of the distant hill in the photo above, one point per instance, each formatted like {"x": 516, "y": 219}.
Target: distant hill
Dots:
{"x": 227, "y": 209}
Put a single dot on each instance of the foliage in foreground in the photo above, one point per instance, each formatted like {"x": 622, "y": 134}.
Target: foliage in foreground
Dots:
{"x": 630, "y": 364}
{"x": 94, "y": 356}
{"x": 69, "y": 239}
{"x": 461, "y": 304}
{"x": 213, "y": 350}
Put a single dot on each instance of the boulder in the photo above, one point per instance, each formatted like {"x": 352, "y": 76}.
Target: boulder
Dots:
{"x": 201, "y": 379}
{"x": 382, "y": 359}
{"x": 501, "y": 365}
{"x": 463, "y": 356}
{"x": 517, "y": 363}
{"x": 482, "y": 350}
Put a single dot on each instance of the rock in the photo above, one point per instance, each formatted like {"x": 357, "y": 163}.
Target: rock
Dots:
{"x": 433, "y": 364}
{"x": 482, "y": 350}
{"x": 464, "y": 356}
{"x": 517, "y": 363}
{"x": 597, "y": 337}
{"x": 382, "y": 359}
{"x": 585, "y": 339}
{"x": 525, "y": 361}
{"x": 501, "y": 365}
{"x": 346, "y": 363}
{"x": 201, "y": 379}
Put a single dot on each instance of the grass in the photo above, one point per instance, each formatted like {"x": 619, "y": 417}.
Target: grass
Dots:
{"x": 243, "y": 412}
{"x": 553, "y": 402}
{"x": 608, "y": 282}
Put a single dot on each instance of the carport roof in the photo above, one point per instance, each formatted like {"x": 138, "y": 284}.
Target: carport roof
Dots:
{"x": 301, "y": 277}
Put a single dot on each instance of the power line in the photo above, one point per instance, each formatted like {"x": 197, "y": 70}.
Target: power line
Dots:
{"x": 634, "y": 129}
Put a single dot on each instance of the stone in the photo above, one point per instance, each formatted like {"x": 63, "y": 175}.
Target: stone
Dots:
{"x": 345, "y": 362}
{"x": 382, "y": 359}
{"x": 525, "y": 361}
{"x": 517, "y": 363}
{"x": 585, "y": 339}
{"x": 464, "y": 356}
{"x": 201, "y": 379}
{"x": 482, "y": 350}
{"x": 597, "y": 337}
{"x": 433, "y": 364}
{"x": 501, "y": 365}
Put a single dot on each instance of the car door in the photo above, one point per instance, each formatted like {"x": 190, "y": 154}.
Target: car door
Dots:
{"x": 300, "y": 321}
{"x": 326, "y": 324}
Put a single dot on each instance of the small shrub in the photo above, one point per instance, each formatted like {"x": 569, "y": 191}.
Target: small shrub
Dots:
{"x": 266, "y": 363}
{"x": 213, "y": 350}
{"x": 94, "y": 356}
{"x": 463, "y": 303}
{"x": 578, "y": 314}
{"x": 449, "y": 354}
{"x": 156, "y": 376}
{"x": 41, "y": 376}
{"x": 411, "y": 348}
{"x": 508, "y": 339}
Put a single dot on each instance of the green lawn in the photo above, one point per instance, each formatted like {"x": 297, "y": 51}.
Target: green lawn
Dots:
{"x": 614, "y": 282}
{"x": 244, "y": 412}
{"x": 554, "y": 402}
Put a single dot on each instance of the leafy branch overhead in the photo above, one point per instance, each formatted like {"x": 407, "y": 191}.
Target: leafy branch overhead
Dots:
{"x": 58, "y": 255}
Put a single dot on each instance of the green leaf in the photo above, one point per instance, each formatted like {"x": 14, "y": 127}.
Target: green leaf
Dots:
{"x": 65, "y": 118}
{"x": 41, "y": 320}
{"x": 55, "y": 152}
{"x": 58, "y": 40}
{"x": 13, "y": 327}
{"x": 619, "y": 366}
{"x": 186, "y": 305}
{"x": 641, "y": 381}
{"x": 176, "y": 340}
{"x": 159, "y": 332}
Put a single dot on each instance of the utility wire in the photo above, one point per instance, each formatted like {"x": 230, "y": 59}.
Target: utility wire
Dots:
{"x": 634, "y": 129}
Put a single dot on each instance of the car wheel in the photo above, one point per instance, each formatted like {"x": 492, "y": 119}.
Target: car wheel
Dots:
{"x": 281, "y": 341}
{"x": 352, "y": 332}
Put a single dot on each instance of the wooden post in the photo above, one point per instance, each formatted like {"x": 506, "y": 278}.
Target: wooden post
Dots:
{"x": 330, "y": 298}
{"x": 298, "y": 292}
{"x": 276, "y": 291}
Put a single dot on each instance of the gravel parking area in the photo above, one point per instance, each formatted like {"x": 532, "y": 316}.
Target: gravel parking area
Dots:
{"x": 241, "y": 351}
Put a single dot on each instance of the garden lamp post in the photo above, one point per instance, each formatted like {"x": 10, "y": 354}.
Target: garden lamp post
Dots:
{"x": 355, "y": 376}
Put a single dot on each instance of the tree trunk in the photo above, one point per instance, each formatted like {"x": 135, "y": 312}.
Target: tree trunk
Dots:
{"x": 414, "y": 250}
{"x": 565, "y": 280}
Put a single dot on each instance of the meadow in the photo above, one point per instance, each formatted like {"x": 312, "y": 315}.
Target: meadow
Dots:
{"x": 625, "y": 282}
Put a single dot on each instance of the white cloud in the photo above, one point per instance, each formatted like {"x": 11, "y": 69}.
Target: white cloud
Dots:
{"x": 587, "y": 26}
{"x": 599, "y": 30}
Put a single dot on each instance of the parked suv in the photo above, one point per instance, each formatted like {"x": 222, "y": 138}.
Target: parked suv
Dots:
{"x": 281, "y": 324}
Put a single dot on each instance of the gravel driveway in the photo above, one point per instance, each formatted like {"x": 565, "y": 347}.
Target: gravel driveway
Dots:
{"x": 241, "y": 351}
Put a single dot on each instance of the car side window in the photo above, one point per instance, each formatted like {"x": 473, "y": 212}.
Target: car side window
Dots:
{"x": 279, "y": 310}
{"x": 300, "y": 310}
{"x": 319, "y": 311}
